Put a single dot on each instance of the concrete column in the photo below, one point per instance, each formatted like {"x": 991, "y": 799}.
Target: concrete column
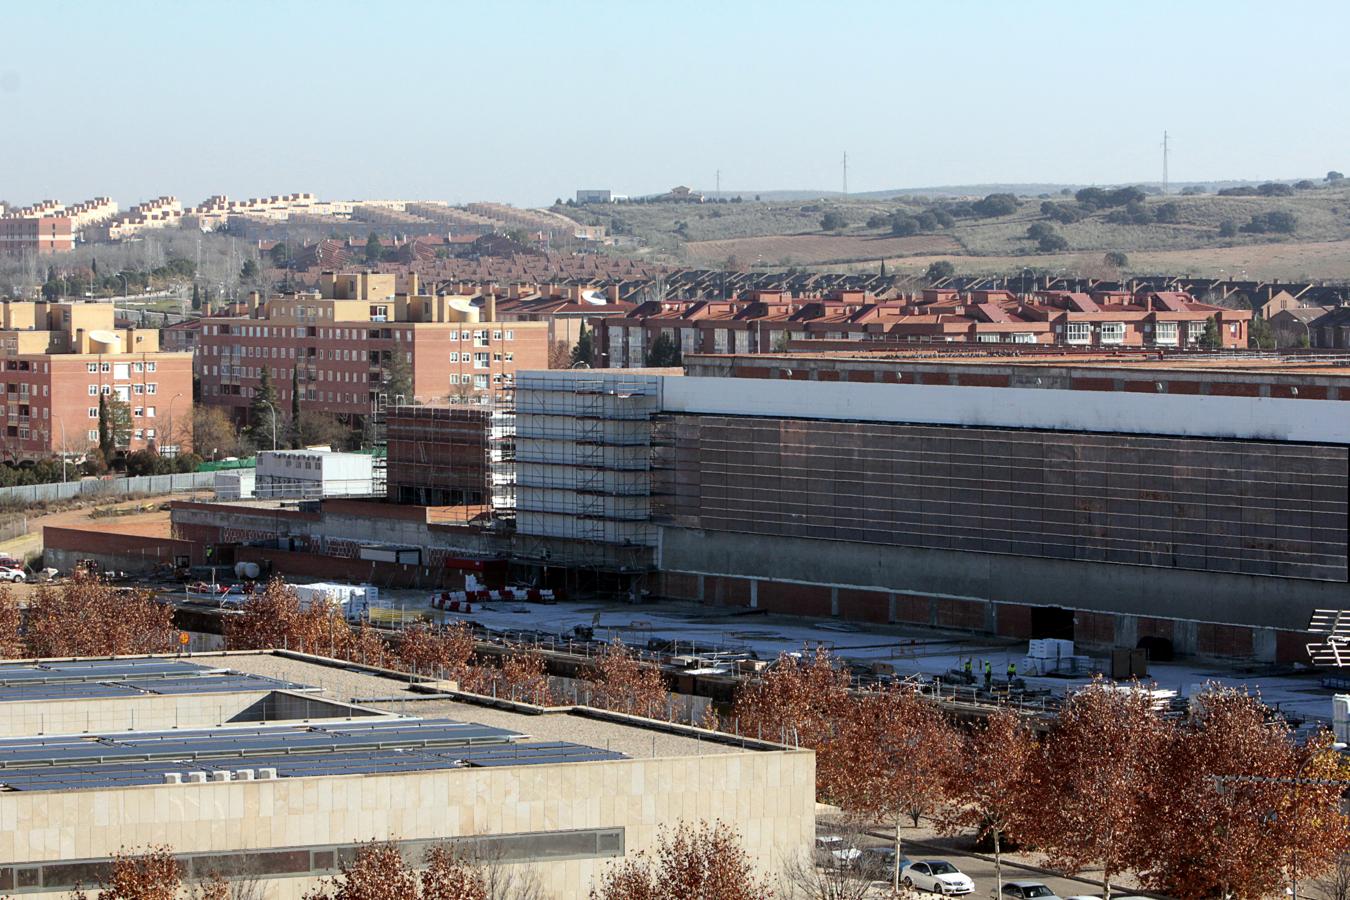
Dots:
{"x": 991, "y": 617}
{"x": 702, "y": 598}
{"x": 1127, "y": 631}
{"x": 834, "y": 601}
{"x": 1264, "y": 644}
{"x": 754, "y": 593}
{"x": 1183, "y": 637}
{"x": 890, "y": 613}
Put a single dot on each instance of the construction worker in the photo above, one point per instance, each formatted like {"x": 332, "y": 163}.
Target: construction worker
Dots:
{"x": 1012, "y": 672}
{"x": 988, "y": 674}
{"x": 970, "y": 671}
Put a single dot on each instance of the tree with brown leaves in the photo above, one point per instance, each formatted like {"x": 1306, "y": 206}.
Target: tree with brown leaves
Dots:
{"x": 619, "y": 681}
{"x": 11, "y": 617}
{"x": 380, "y": 873}
{"x": 276, "y": 619}
{"x": 888, "y": 759}
{"x": 153, "y": 874}
{"x": 88, "y": 617}
{"x": 692, "y": 863}
{"x": 794, "y": 700}
{"x": 441, "y": 652}
{"x": 1242, "y": 810}
{"x": 1098, "y": 766}
{"x": 524, "y": 677}
{"x": 991, "y": 785}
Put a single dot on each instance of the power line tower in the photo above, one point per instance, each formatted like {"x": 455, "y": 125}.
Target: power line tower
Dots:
{"x": 845, "y": 173}
{"x": 1165, "y": 150}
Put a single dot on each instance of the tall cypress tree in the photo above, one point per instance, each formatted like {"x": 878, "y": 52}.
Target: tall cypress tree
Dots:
{"x": 105, "y": 432}
{"x": 296, "y": 442}
{"x": 262, "y": 413}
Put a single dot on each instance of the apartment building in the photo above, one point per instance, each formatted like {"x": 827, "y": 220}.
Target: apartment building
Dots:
{"x": 58, "y": 359}
{"x": 766, "y": 321}
{"x": 343, "y": 339}
{"x": 39, "y": 235}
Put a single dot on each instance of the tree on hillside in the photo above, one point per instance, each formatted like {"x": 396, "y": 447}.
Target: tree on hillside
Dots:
{"x": 1116, "y": 259}
{"x": 196, "y": 296}
{"x": 1102, "y": 755}
{"x": 1245, "y": 809}
{"x": 664, "y": 352}
{"x": 888, "y": 759}
{"x": 374, "y": 249}
{"x": 996, "y": 205}
{"x": 249, "y": 270}
{"x": 1228, "y": 228}
{"x": 583, "y": 352}
{"x": 1052, "y": 243}
{"x": 904, "y": 225}
{"x": 621, "y": 682}
{"x": 833, "y": 221}
{"x": 1211, "y": 338}
{"x": 1334, "y": 176}
{"x": 992, "y": 783}
{"x": 691, "y": 863}
{"x": 938, "y": 271}
{"x": 263, "y": 414}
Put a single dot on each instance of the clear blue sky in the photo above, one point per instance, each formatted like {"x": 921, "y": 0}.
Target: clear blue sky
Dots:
{"x": 524, "y": 101}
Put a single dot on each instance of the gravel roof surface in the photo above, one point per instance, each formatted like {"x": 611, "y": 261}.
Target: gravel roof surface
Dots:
{"x": 362, "y": 687}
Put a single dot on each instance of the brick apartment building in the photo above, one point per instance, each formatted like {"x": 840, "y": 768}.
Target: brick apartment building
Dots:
{"x": 765, "y": 321}
{"x": 39, "y": 235}
{"x": 342, "y": 340}
{"x": 57, "y": 359}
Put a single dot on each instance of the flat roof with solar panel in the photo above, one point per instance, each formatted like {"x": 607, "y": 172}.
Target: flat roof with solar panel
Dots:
{"x": 124, "y": 678}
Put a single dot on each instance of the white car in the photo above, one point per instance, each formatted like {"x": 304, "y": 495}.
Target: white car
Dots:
{"x": 938, "y": 876}
{"x": 1027, "y": 890}
{"x": 10, "y": 573}
{"x": 832, "y": 850}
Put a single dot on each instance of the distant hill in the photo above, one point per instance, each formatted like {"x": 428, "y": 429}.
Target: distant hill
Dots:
{"x": 979, "y": 190}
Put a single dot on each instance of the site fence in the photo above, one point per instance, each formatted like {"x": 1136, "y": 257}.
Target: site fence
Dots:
{"x": 13, "y": 528}
{"x": 105, "y": 487}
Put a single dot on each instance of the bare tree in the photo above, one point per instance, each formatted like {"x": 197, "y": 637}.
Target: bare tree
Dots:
{"x": 691, "y": 863}
{"x": 1335, "y": 885}
{"x": 846, "y": 870}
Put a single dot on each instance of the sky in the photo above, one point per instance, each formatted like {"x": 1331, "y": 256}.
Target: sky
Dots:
{"x": 522, "y": 101}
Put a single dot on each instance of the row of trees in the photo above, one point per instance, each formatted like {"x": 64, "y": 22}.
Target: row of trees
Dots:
{"x": 1221, "y": 803}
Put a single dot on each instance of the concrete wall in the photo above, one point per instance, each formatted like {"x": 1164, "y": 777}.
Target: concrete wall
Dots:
{"x": 156, "y": 712}
{"x": 1262, "y": 418}
{"x": 813, "y": 577}
{"x": 768, "y": 796}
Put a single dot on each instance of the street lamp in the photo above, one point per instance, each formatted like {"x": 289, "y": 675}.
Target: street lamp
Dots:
{"x": 170, "y": 429}
{"x": 61, "y": 423}
{"x": 273, "y": 410}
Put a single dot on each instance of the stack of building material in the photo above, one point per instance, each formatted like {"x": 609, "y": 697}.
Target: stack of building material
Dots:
{"x": 1053, "y": 656}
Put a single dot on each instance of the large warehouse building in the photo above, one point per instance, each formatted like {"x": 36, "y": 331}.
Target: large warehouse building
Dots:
{"x": 1194, "y": 506}
{"x": 244, "y": 772}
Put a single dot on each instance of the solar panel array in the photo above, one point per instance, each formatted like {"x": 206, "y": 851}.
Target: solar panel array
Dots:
{"x": 114, "y": 678}
{"x": 346, "y": 748}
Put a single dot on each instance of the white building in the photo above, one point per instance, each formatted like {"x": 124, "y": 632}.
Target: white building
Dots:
{"x": 313, "y": 474}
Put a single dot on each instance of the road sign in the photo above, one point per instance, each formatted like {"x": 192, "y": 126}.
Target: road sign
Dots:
{"x": 184, "y": 638}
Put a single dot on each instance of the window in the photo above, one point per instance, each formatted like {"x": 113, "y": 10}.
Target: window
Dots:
{"x": 1023, "y": 337}
{"x": 1079, "y": 333}
{"x": 983, "y": 338}
{"x": 92, "y": 367}
{"x": 149, "y": 367}
{"x": 1166, "y": 333}
{"x": 480, "y": 360}
{"x": 454, "y": 379}
{"x": 151, "y": 388}
{"x": 138, "y": 434}
{"x": 137, "y": 412}
{"x": 138, "y": 367}
{"x": 105, "y": 367}
{"x": 93, "y": 412}
{"x": 92, "y": 434}
{"x": 93, "y": 390}
{"x": 149, "y": 412}
{"x": 496, "y": 335}
{"x": 510, "y": 357}
{"x": 138, "y": 388}
{"x": 480, "y": 339}
{"x": 454, "y": 357}
{"x": 480, "y": 381}
{"x": 150, "y": 434}
{"x": 510, "y": 335}
{"x": 1113, "y": 332}
{"x": 105, "y": 390}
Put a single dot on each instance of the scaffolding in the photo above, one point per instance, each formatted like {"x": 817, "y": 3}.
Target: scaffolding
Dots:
{"x": 583, "y": 461}
{"x": 459, "y": 458}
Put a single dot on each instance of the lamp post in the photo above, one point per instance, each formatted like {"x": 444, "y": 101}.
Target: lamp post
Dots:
{"x": 170, "y": 428}
{"x": 273, "y": 410}
{"x": 62, "y": 425}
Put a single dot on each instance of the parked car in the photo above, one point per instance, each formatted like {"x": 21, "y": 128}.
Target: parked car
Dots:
{"x": 1027, "y": 890}
{"x": 882, "y": 859}
{"x": 833, "y": 850}
{"x": 12, "y": 574}
{"x": 938, "y": 876}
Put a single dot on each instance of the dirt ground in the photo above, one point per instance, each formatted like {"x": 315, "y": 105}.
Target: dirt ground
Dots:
{"x": 147, "y": 516}
{"x": 805, "y": 249}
